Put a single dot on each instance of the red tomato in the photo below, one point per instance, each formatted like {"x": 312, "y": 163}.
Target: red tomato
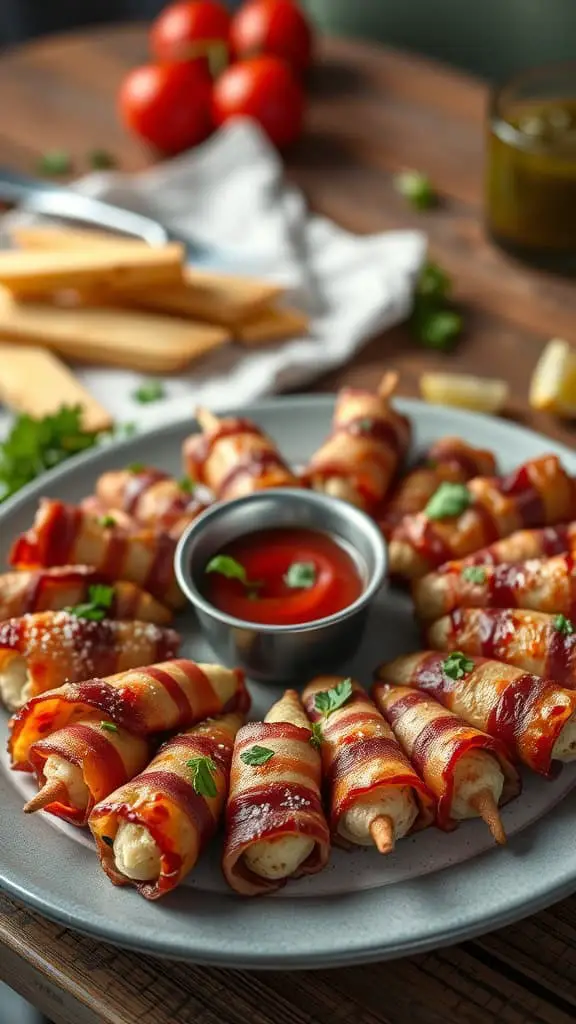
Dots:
{"x": 186, "y": 29}
{"x": 168, "y": 104}
{"x": 276, "y": 27}
{"x": 265, "y": 89}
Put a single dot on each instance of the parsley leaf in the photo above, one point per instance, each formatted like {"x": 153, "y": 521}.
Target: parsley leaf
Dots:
{"x": 563, "y": 625}
{"x": 101, "y": 159}
{"x": 100, "y": 598}
{"x": 257, "y": 755}
{"x": 227, "y": 567}
{"x": 474, "y": 574}
{"x": 149, "y": 391}
{"x": 301, "y": 575}
{"x": 136, "y": 467}
{"x": 328, "y": 701}
{"x": 317, "y": 735}
{"x": 416, "y": 188}
{"x": 448, "y": 500}
{"x": 187, "y": 485}
{"x": 106, "y": 521}
{"x": 457, "y": 665}
{"x": 203, "y": 769}
{"x": 55, "y": 162}
{"x": 108, "y": 726}
{"x": 433, "y": 282}
{"x": 438, "y": 328}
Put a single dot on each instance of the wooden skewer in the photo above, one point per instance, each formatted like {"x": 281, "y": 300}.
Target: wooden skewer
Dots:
{"x": 207, "y": 420}
{"x": 55, "y": 791}
{"x": 388, "y": 384}
{"x": 382, "y": 832}
{"x": 487, "y": 809}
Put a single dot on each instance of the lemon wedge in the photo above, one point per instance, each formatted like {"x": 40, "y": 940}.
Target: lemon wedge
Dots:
{"x": 481, "y": 394}
{"x": 553, "y": 384}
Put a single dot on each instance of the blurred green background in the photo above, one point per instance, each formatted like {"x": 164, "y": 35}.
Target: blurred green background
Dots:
{"x": 493, "y": 38}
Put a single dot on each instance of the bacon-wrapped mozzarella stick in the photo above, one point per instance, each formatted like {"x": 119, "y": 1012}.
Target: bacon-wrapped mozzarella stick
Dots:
{"x": 67, "y": 586}
{"x": 275, "y": 826}
{"x": 468, "y": 771}
{"x": 150, "y": 497}
{"x": 151, "y": 832}
{"x": 520, "y": 547}
{"x": 375, "y": 795}
{"x": 81, "y": 764}
{"x": 460, "y": 518}
{"x": 92, "y": 505}
{"x": 368, "y": 442}
{"x": 534, "y": 718}
{"x": 42, "y": 650}
{"x": 449, "y": 460}
{"x": 158, "y": 698}
{"x": 234, "y": 457}
{"x": 542, "y": 584}
{"x": 533, "y": 641}
{"x": 63, "y": 534}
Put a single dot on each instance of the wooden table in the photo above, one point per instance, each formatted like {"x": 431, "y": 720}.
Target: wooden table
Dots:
{"x": 373, "y": 112}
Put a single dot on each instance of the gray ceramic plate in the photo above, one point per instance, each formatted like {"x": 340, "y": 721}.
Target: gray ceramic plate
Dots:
{"x": 434, "y": 889}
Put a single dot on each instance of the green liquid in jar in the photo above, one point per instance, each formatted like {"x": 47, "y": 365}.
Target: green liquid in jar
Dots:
{"x": 531, "y": 183}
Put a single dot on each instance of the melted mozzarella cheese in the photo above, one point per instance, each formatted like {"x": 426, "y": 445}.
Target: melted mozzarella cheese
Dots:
{"x": 136, "y": 854}
{"x": 395, "y": 802}
{"x": 15, "y": 684}
{"x": 565, "y": 747}
{"x": 278, "y": 858}
{"x": 59, "y": 770}
{"x": 475, "y": 772}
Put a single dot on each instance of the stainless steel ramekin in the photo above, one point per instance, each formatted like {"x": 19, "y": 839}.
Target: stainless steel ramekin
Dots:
{"x": 281, "y": 653}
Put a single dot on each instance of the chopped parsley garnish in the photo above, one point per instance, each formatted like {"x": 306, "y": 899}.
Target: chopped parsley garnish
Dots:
{"x": 434, "y": 322}
{"x": 108, "y": 840}
{"x": 457, "y": 665}
{"x": 317, "y": 735}
{"x": 563, "y": 625}
{"x": 149, "y": 391}
{"x": 438, "y": 328}
{"x": 203, "y": 769}
{"x": 257, "y": 755}
{"x": 301, "y": 575}
{"x": 136, "y": 467}
{"x": 474, "y": 574}
{"x": 109, "y": 726}
{"x": 433, "y": 282}
{"x": 106, "y": 521}
{"x": 101, "y": 159}
{"x": 55, "y": 162}
{"x": 449, "y": 500}
{"x": 187, "y": 485}
{"x": 416, "y": 188}
{"x": 232, "y": 570}
{"x": 100, "y": 598}
{"x": 327, "y": 701}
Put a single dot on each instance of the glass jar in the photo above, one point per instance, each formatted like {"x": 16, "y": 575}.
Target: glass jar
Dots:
{"x": 531, "y": 167}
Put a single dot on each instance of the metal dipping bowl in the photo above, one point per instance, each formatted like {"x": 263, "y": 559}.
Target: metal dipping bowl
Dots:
{"x": 278, "y": 654}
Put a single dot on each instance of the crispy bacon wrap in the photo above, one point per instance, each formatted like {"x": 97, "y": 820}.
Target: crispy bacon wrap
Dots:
{"x": 533, "y": 641}
{"x": 69, "y": 585}
{"x": 368, "y": 442}
{"x": 233, "y": 457}
{"x": 449, "y": 460}
{"x": 44, "y": 649}
{"x": 521, "y": 546}
{"x": 361, "y": 756}
{"x": 275, "y": 800}
{"x": 64, "y": 534}
{"x": 150, "y": 497}
{"x": 99, "y": 756}
{"x": 539, "y": 492}
{"x": 435, "y": 740}
{"x": 159, "y": 698}
{"x": 542, "y": 584}
{"x": 524, "y": 712}
{"x": 169, "y": 800}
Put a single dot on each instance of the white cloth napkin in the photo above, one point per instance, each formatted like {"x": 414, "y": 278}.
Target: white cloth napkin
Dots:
{"x": 231, "y": 195}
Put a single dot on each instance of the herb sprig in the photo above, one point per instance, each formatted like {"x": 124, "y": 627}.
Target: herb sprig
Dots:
{"x": 327, "y": 701}
{"x": 434, "y": 321}
{"x": 203, "y": 769}
{"x": 99, "y": 603}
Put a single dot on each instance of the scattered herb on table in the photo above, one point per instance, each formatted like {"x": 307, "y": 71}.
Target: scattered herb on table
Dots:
{"x": 55, "y": 162}
{"x": 203, "y": 769}
{"x": 563, "y": 625}
{"x": 257, "y": 755}
{"x": 457, "y": 665}
{"x": 328, "y": 701}
{"x": 448, "y": 500}
{"x": 417, "y": 189}
{"x": 99, "y": 603}
{"x": 474, "y": 574}
{"x": 300, "y": 575}
{"x": 434, "y": 322}
{"x": 101, "y": 159}
{"x": 149, "y": 391}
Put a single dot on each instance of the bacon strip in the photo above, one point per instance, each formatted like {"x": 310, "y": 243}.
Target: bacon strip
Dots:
{"x": 63, "y": 534}
{"x": 69, "y": 585}
{"x": 57, "y": 646}
{"x": 520, "y": 547}
{"x": 540, "y": 492}
{"x": 368, "y": 442}
{"x": 151, "y": 497}
{"x": 532, "y": 641}
{"x": 234, "y": 457}
{"x": 275, "y": 800}
{"x": 107, "y": 756}
{"x": 448, "y": 460}
{"x": 360, "y": 755}
{"x": 435, "y": 739}
{"x": 164, "y": 800}
{"x": 524, "y": 712}
{"x": 542, "y": 584}
{"x": 159, "y": 698}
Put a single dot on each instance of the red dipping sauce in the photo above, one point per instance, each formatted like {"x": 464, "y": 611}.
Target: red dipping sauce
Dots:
{"x": 332, "y": 578}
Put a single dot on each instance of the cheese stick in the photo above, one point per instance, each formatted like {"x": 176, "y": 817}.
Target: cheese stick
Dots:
{"x": 234, "y": 457}
{"x": 41, "y": 650}
{"x": 81, "y": 764}
{"x": 150, "y": 497}
{"x": 64, "y": 534}
{"x": 520, "y": 547}
{"x": 468, "y": 772}
{"x": 275, "y": 826}
{"x": 368, "y": 442}
{"x": 375, "y": 795}
{"x": 541, "y": 584}
{"x": 151, "y": 832}
{"x": 539, "y": 492}
{"x": 534, "y": 718}
{"x": 448, "y": 460}
{"x": 158, "y": 698}
{"x": 69, "y": 585}
{"x": 535, "y": 642}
